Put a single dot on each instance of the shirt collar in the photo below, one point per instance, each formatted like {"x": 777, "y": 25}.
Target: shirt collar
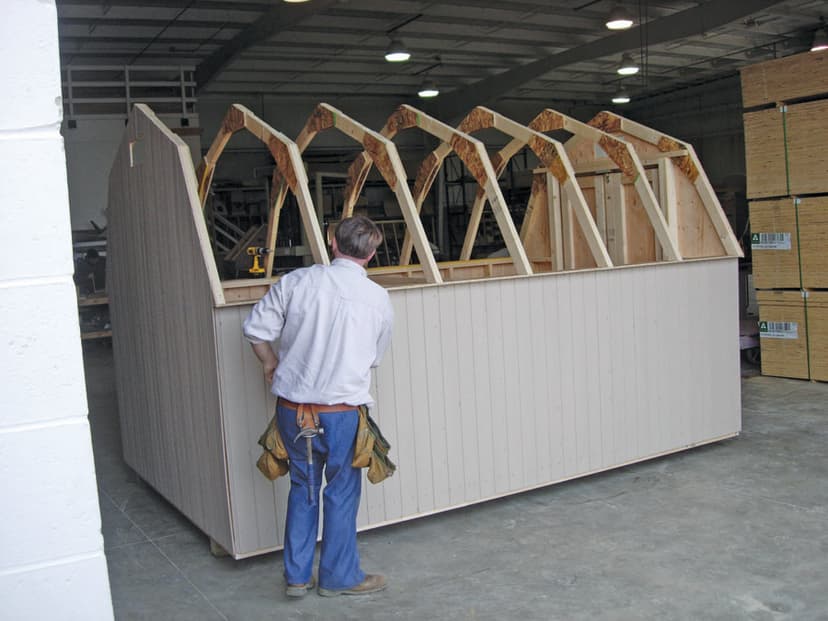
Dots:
{"x": 348, "y": 264}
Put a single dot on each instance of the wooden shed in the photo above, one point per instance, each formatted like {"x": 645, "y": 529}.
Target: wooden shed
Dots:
{"x": 504, "y": 374}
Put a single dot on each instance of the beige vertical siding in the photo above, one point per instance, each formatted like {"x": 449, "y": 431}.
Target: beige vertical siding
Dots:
{"x": 496, "y": 386}
{"x": 161, "y": 300}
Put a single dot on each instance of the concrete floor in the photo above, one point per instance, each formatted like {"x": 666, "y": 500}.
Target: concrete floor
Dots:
{"x": 735, "y": 530}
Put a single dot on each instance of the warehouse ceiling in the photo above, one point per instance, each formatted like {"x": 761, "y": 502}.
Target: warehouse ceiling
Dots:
{"x": 475, "y": 50}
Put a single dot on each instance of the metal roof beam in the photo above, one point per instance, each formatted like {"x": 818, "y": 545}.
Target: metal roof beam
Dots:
{"x": 277, "y": 18}
{"x": 687, "y": 23}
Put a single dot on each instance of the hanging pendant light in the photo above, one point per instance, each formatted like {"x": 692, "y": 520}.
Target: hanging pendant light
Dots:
{"x": 619, "y": 18}
{"x": 428, "y": 89}
{"x": 628, "y": 66}
{"x": 396, "y": 52}
{"x": 820, "y": 40}
{"x": 621, "y": 97}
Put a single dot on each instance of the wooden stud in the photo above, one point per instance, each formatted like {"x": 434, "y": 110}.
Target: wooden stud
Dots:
{"x": 601, "y": 210}
{"x": 667, "y": 195}
{"x": 616, "y": 218}
{"x": 555, "y": 226}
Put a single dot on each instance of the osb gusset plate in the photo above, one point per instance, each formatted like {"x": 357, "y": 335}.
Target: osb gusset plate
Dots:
{"x": 377, "y": 152}
{"x": 428, "y": 170}
{"x": 321, "y": 118}
{"x": 606, "y": 122}
{"x": 547, "y": 152}
{"x": 477, "y": 119}
{"x": 232, "y": 122}
{"x": 467, "y": 152}
{"x": 547, "y": 121}
{"x": 281, "y": 155}
{"x": 619, "y": 152}
{"x": 684, "y": 162}
{"x": 402, "y": 118}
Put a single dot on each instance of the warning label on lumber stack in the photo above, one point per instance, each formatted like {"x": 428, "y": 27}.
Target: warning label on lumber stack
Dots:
{"x": 778, "y": 330}
{"x": 770, "y": 241}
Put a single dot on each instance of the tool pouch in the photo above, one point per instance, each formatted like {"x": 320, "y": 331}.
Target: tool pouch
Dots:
{"x": 371, "y": 449}
{"x": 273, "y": 461}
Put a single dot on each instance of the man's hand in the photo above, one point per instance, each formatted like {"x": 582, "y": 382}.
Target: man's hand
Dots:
{"x": 269, "y": 370}
{"x": 268, "y": 359}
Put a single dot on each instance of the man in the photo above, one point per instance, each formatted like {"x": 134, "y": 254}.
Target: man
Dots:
{"x": 334, "y": 324}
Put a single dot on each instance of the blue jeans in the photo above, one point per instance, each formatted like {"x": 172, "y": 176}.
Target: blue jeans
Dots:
{"x": 333, "y": 450}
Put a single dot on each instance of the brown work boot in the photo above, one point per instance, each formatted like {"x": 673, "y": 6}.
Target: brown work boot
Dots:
{"x": 371, "y": 584}
{"x": 299, "y": 590}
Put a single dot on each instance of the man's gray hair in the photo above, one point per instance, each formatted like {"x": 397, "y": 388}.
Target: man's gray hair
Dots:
{"x": 357, "y": 237}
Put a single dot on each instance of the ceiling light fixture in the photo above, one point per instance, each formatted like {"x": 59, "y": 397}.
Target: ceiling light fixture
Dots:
{"x": 621, "y": 97}
{"x": 619, "y": 18}
{"x": 820, "y": 39}
{"x": 628, "y": 66}
{"x": 396, "y": 52}
{"x": 295, "y": 1}
{"x": 428, "y": 90}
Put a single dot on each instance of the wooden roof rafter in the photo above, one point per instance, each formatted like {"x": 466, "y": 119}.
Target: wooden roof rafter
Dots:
{"x": 648, "y": 141}
{"x": 289, "y": 172}
{"x": 623, "y": 155}
{"x": 553, "y": 157}
{"x": 380, "y": 150}
{"x": 470, "y": 151}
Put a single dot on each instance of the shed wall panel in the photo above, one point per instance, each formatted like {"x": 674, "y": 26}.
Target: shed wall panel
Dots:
{"x": 497, "y": 386}
{"x": 161, "y": 301}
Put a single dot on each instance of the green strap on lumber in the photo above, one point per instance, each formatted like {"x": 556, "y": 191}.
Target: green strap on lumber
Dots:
{"x": 784, "y": 110}
{"x": 801, "y": 287}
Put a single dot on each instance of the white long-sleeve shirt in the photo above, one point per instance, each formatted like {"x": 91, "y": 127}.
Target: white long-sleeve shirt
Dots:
{"x": 333, "y": 325}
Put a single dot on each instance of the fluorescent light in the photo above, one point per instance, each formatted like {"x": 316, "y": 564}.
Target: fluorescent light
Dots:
{"x": 621, "y": 97}
{"x": 428, "y": 89}
{"x": 295, "y": 1}
{"x": 396, "y": 52}
{"x": 628, "y": 66}
{"x": 619, "y": 19}
{"x": 820, "y": 40}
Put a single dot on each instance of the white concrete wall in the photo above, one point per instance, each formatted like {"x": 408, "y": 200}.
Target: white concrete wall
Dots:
{"x": 52, "y": 564}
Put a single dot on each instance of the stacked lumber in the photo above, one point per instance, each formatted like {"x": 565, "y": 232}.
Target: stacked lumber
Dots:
{"x": 786, "y": 106}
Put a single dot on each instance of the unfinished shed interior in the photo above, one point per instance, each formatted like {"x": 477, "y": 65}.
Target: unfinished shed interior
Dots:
{"x": 604, "y": 229}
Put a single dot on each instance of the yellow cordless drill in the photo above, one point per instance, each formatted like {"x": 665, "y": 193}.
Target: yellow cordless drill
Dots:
{"x": 256, "y": 252}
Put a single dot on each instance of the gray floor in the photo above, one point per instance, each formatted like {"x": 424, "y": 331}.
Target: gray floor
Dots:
{"x": 736, "y": 530}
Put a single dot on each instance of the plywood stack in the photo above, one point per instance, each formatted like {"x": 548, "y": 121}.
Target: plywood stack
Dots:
{"x": 786, "y": 107}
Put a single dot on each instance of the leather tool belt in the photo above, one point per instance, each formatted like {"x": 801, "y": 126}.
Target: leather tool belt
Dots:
{"x": 370, "y": 446}
{"x": 307, "y": 414}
